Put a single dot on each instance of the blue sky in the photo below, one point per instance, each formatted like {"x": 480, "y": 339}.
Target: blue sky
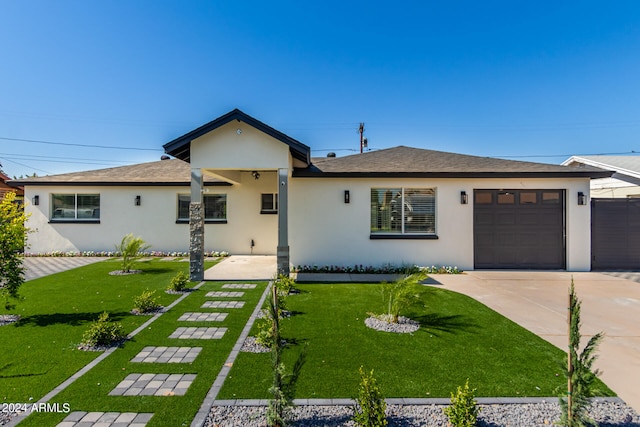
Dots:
{"x": 534, "y": 81}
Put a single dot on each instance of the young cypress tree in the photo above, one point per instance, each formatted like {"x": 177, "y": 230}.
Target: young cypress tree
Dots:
{"x": 579, "y": 372}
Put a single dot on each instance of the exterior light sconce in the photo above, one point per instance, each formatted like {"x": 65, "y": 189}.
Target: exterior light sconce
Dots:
{"x": 138, "y": 200}
{"x": 36, "y": 200}
{"x": 582, "y": 199}
{"x": 464, "y": 199}
{"x": 347, "y": 196}
{"x": 255, "y": 175}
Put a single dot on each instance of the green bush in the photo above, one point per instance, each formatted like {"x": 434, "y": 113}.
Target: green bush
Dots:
{"x": 179, "y": 282}
{"x": 285, "y": 284}
{"x": 145, "y": 302}
{"x": 463, "y": 411}
{"x": 130, "y": 249}
{"x": 398, "y": 296}
{"x": 103, "y": 332}
{"x": 371, "y": 406}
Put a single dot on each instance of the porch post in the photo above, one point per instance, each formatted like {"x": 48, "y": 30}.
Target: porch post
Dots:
{"x": 196, "y": 228}
{"x": 283, "y": 232}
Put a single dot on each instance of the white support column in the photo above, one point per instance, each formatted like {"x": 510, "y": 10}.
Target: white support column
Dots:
{"x": 283, "y": 227}
{"x": 196, "y": 228}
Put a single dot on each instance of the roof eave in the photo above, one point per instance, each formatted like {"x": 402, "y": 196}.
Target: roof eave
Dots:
{"x": 303, "y": 173}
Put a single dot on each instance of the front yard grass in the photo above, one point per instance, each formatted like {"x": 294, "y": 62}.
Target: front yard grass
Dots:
{"x": 459, "y": 338}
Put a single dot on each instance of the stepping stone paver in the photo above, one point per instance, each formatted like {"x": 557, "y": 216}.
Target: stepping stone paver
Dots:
{"x": 223, "y": 304}
{"x": 167, "y": 355}
{"x": 203, "y": 317}
{"x": 153, "y": 385}
{"x": 239, "y": 286}
{"x": 198, "y": 333}
{"x": 105, "y": 419}
{"x": 224, "y": 294}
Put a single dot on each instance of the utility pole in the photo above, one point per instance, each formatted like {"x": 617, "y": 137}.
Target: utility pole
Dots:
{"x": 363, "y": 141}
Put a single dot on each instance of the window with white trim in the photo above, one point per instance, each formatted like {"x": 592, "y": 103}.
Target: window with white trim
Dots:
{"x": 215, "y": 207}
{"x": 269, "y": 203}
{"x": 403, "y": 211}
{"x": 75, "y": 207}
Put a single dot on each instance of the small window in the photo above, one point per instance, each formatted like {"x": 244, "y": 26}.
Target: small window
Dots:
{"x": 75, "y": 207}
{"x": 484, "y": 197}
{"x": 550, "y": 197}
{"x": 269, "y": 203}
{"x": 404, "y": 211}
{"x": 215, "y": 207}
{"x": 528, "y": 198}
{"x": 506, "y": 198}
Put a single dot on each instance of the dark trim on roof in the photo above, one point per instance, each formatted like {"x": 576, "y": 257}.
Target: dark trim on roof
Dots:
{"x": 308, "y": 173}
{"x": 181, "y": 147}
{"x": 123, "y": 184}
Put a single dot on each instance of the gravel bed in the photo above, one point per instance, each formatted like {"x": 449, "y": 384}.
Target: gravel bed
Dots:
{"x": 124, "y": 273}
{"x": 404, "y": 325}
{"x": 607, "y": 414}
{"x": 7, "y": 319}
{"x": 137, "y": 312}
{"x": 251, "y": 346}
{"x": 182, "y": 292}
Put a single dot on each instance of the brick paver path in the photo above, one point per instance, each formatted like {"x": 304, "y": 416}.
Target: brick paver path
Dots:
{"x": 154, "y": 385}
{"x": 202, "y": 317}
{"x": 223, "y": 304}
{"x": 105, "y": 419}
{"x": 224, "y": 294}
{"x": 198, "y": 333}
{"x": 167, "y": 355}
{"x": 239, "y": 286}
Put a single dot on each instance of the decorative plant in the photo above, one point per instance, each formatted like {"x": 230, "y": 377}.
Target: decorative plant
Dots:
{"x": 103, "y": 332}
{"x": 283, "y": 386}
{"x": 371, "y": 406}
{"x": 285, "y": 284}
{"x": 145, "y": 302}
{"x": 399, "y": 296}
{"x": 579, "y": 373}
{"x": 130, "y": 248}
{"x": 463, "y": 411}
{"x": 13, "y": 233}
{"x": 179, "y": 282}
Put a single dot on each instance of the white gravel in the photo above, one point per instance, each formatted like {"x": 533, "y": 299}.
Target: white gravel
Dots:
{"x": 404, "y": 325}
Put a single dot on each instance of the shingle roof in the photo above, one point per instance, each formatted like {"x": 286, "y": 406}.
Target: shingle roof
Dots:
{"x": 415, "y": 162}
{"x": 627, "y": 165}
{"x": 163, "y": 172}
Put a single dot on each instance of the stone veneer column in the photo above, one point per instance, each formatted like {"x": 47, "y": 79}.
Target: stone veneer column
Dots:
{"x": 196, "y": 228}
{"x": 283, "y": 231}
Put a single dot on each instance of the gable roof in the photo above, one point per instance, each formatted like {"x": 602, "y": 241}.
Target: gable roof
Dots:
{"x": 415, "y": 162}
{"x": 625, "y": 165}
{"x": 181, "y": 146}
{"x": 171, "y": 172}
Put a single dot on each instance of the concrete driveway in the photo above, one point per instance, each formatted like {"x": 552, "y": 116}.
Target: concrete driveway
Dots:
{"x": 538, "y": 301}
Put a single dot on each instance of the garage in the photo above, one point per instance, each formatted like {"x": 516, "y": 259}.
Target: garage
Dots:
{"x": 519, "y": 229}
{"x": 615, "y": 234}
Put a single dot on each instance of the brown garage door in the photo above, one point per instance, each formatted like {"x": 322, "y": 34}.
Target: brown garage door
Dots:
{"x": 615, "y": 234}
{"x": 519, "y": 229}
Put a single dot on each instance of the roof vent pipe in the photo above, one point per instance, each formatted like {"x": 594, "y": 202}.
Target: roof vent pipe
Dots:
{"x": 331, "y": 154}
{"x": 164, "y": 157}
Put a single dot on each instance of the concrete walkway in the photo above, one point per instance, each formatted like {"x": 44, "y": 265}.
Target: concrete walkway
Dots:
{"x": 243, "y": 267}
{"x": 36, "y": 267}
{"x": 538, "y": 302}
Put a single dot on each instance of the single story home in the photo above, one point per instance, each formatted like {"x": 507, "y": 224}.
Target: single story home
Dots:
{"x": 239, "y": 185}
{"x": 6, "y": 188}
{"x": 625, "y": 181}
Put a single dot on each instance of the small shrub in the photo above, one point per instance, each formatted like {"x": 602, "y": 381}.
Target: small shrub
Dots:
{"x": 130, "y": 248}
{"x": 463, "y": 411}
{"x": 179, "y": 282}
{"x": 265, "y": 333}
{"x": 145, "y": 302}
{"x": 371, "y": 406}
{"x": 398, "y": 296}
{"x": 103, "y": 332}
{"x": 285, "y": 284}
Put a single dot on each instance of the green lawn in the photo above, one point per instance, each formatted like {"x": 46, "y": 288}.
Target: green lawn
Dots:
{"x": 459, "y": 339}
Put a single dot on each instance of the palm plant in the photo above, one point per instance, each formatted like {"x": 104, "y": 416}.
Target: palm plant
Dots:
{"x": 130, "y": 248}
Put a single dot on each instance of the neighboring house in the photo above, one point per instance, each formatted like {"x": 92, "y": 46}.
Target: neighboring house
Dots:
{"x": 625, "y": 182}
{"x": 5, "y": 188}
{"x": 262, "y": 193}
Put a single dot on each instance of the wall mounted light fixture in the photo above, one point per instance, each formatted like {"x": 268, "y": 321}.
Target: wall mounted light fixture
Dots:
{"x": 138, "y": 201}
{"x": 347, "y": 196}
{"x": 255, "y": 175}
{"x": 36, "y": 200}
{"x": 464, "y": 199}
{"x": 582, "y": 198}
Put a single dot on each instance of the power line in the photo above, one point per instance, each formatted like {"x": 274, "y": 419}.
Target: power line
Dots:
{"x": 45, "y": 158}
{"x": 79, "y": 145}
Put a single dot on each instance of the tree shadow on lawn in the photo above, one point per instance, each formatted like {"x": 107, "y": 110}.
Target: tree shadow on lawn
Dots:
{"x": 452, "y": 324}
{"x": 73, "y": 319}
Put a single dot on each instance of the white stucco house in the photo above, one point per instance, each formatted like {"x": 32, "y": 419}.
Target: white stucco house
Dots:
{"x": 625, "y": 182}
{"x": 262, "y": 193}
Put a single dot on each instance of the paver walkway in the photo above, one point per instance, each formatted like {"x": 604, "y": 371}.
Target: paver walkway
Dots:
{"x": 198, "y": 333}
{"x": 223, "y": 304}
{"x": 35, "y": 267}
{"x": 154, "y": 385}
{"x": 105, "y": 419}
{"x": 202, "y": 317}
{"x": 167, "y": 354}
